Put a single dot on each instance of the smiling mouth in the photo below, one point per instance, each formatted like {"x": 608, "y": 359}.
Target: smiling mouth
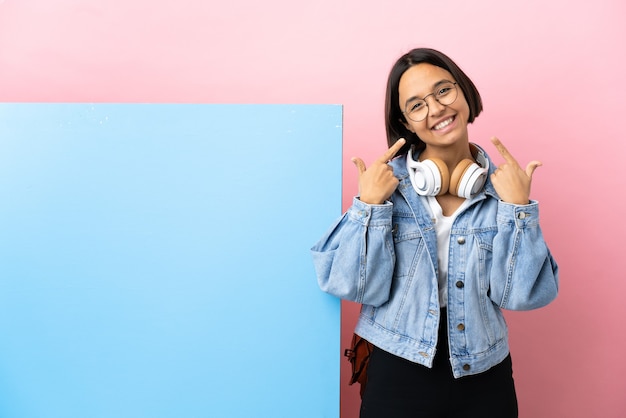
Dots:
{"x": 443, "y": 124}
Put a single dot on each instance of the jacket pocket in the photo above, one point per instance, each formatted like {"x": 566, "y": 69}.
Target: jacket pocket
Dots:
{"x": 395, "y": 315}
{"x": 492, "y": 319}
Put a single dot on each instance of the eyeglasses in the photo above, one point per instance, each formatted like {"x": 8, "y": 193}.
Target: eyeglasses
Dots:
{"x": 417, "y": 109}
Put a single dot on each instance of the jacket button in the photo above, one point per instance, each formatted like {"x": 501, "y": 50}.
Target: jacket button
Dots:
{"x": 460, "y": 240}
{"x": 460, "y": 327}
{"x": 466, "y": 367}
{"x": 460, "y": 284}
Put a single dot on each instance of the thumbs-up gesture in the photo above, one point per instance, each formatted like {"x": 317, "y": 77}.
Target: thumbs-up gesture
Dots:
{"x": 511, "y": 181}
{"x": 377, "y": 183}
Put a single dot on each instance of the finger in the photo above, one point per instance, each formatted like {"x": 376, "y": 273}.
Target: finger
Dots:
{"x": 393, "y": 150}
{"x": 503, "y": 151}
{"x": 531, "y": 167}
{"x": 360, "y": 165}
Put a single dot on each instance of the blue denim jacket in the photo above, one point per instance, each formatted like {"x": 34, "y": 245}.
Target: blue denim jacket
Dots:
{"x": 385, "y": 257}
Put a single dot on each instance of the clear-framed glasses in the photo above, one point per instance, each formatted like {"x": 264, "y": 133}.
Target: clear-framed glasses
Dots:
{"x": 417, "y": 109}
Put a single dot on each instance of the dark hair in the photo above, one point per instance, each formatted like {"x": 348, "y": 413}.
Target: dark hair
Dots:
{"x": 393, "y": 114}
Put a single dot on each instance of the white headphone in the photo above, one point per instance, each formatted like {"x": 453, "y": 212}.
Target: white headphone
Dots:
{"x": 431, "y": 177}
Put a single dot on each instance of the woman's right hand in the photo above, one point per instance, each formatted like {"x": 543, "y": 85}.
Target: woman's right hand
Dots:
{"x": 377, "y": 183}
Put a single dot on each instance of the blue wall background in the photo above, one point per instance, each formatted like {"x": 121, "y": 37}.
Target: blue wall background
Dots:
{"x": 154, "y": 260}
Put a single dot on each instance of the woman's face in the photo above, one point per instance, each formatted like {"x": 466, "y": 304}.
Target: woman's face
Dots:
{"x": 444, "y": 125}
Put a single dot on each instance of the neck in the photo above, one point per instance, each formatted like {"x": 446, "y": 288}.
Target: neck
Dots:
{"x": 451, "y": 155}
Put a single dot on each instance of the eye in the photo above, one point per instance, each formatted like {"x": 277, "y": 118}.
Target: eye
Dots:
{"x": 415, "y": 106}
{"x": 445, "y": 89}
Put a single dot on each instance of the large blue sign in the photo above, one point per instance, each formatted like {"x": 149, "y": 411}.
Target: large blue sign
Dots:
{"x": 154, "y": 260}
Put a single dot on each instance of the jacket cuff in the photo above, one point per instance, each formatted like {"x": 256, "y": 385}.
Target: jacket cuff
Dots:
{"x": 370, "y": 215}
{"x": 523, "y": 216}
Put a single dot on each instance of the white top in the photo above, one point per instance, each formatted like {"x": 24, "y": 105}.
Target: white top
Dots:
{"x": 443, "y": 227}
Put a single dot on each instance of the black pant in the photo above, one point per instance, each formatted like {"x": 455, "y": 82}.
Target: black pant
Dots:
{"x": 398, "y": 388}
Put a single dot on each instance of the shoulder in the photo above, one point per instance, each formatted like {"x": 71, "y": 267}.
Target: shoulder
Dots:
{"x": 398, "y": 164}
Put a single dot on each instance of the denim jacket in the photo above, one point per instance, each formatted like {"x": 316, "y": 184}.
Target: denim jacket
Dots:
{"x": 385, "y": 257}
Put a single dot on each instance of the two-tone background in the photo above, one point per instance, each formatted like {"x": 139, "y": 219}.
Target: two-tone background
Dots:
{"x": 551, "y": 78}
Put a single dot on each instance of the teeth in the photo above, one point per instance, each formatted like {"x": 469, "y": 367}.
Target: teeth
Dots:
{"x": 443, "y": 124}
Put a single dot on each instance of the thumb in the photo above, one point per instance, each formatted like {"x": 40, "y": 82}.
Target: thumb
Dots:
{"x": 360, "y": 165}
{"x": 531, "y": 167}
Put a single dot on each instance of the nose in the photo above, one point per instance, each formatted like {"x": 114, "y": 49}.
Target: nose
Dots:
{"x": 434, "y": 107}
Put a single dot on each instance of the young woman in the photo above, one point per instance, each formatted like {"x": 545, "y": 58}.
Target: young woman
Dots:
{"x": 438, "y": 241}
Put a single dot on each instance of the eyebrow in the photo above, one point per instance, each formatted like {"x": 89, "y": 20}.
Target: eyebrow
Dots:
{"x": 437, "y": 84}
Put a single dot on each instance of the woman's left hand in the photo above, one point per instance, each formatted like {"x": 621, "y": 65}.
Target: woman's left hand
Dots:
{"x": 510, "y": 181}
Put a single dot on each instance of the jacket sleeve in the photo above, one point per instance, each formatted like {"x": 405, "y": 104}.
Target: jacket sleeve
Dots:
{"x": 355, "y": 259}
{"x": 524, "y": 275}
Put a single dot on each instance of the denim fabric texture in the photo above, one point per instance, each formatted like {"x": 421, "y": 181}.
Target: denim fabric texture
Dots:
{"x": 385, "y": 257}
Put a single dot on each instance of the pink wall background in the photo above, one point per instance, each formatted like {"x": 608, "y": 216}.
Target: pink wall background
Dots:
{"x": 551, "y": 77}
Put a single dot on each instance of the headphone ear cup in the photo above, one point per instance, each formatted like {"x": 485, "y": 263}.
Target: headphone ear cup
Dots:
{"x": 457, "y": 175}
{"x": 467, "y": 179}
{"x": 429, "y": 177}
{"x": 444, "y": 175}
